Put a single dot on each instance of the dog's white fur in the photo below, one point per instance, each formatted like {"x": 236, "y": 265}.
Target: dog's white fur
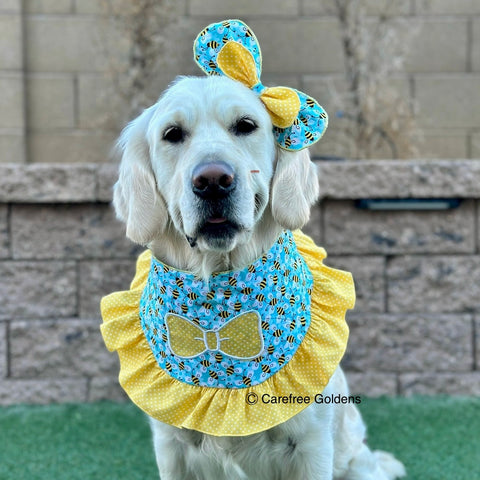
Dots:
{"x": 154, "y": 197}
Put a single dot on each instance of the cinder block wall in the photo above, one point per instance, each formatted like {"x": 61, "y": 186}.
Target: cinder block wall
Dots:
{"x": 53, "y": 69}
{"x": 415, "y": 328}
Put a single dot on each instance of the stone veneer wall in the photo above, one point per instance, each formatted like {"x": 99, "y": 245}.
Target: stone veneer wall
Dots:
{"x": 415, "y": 328}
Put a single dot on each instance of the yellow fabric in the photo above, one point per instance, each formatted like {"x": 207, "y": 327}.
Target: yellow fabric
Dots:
{"x": 221, "y": 411}
{"x": 282, "y": 103}
{"x": 241, "y": 337}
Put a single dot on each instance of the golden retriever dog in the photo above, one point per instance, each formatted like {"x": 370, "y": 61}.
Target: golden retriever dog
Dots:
{"x": 205, "y": 187}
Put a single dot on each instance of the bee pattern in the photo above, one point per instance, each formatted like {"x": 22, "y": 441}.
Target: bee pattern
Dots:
{"x": 181, "y": 366}
{"x": 237, "y": 306}
{"x": 195, "y": 380}
{"x": 288, "y": 142}
{"x": 166, "y": 268}
{"x": 266, "y": 369}
{"x": 184, "y": 308}
{"x": 164, "y": 337}
{"x": 218, "y": 357}
{"x": 212, "y": 64}
{"x": 230, "y": 370}
{"x": 258, "y": 359}
{"x": 275, "y": 279}
{"x": 205, "y": 363}
{"x": 224, "y": 314}
{"x": 278, "y": 333}
{"x": 179, "y": 282}
{"x": 248, "y": 33}
{"x": 265, "y": 325}
{"x": 323, "y": 115}
{"x": 281, "y": 359}
{"x": 206, "y": 306}
{"x": 251, "y": 268}
{"x": 292, "y": 300}
{"x": 283, "y": 289}
{"x": 224, "y": 40}
{"x": 196, "y": 320}
{"x": 273, "y": 302}
{"x": 213, "y": 374}
{"x": 155, "y": 268}
{"x": 293, "y": 324}
{"x": 264, "y": 258}
{"x": 226, "y": 24}
{"x": 210, "y": 295}
{"x": 304, "y": 121}
{"x": 260, "y": 297}
{"x": 227, "y": 294}
{"x": 280, "y": 310}
{"x": 232, "y": 281}
{"x": 270, "y": 349}
{"x": 310, "y": 102}
{"x": 291, "y": 339}
{"x": 163, "y": 289}
{"x": 309, "y": 135}
{"x": 303, "y": 321}
{"x": 168, "y": 366}
{"x": 192, "y": 295}
{"x": 175, "y": 294}
{"x": 277, "y": 265}
{"x": 247, "y": 290}
{"x": 213, "y": 44}
{"x": 247, "y": 381}
{"x": 263, "y": 284}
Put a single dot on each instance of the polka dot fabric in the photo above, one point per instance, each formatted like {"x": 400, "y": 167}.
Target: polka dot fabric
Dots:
{"x": 222, "y": 411}
{"x": 230, "y": 48}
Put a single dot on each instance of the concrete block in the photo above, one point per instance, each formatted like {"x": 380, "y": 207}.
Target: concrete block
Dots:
{"x": 38, "y": 289}
{"x": 68, "y": 232}
{"x": 3, "y": 351}
{"x": 4, "y": 232}
{"x": 119, "y": 7}
{"x": 409, "y": 343}
{"x": 106, "y": 388}
{"x": 47, "y": 183}
{"x": 59, "y": 348}
{"x": 11, "y": 6}
{"x": 43, "y": 391}
{"x": 372, "y": 7}
{"x": 48, "y": 6}
{"x": 369, "y": 276}
{"x": 77, "y": 146}
{"x": 439, "y": 46}
{"x": 246, "y": 8}
{"x": 12, "y": 146}
{"x": 11, "y": 50}
{"x": 436, "y": 283}
{"x": 447, "y": 7}
{"x": 296, "y": 46}
{"x": 352, "y": 230}
{"x": 372, "y": 384}
{"x": 444, "y": 144}
{"x": 101, "y": 278}
{"x": 440, "y": 384}
{"x": 475, "y": 141}
{"x": 448, "y": 100}
{"x": 50, "y": 101}
{"x": 11, "y": 100}
{"x": 88, "y": 44}
{"x": 476, "y": 44}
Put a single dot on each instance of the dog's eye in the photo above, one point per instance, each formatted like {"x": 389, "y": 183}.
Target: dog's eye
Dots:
{"x": 174, "y": 134}
{"x": 244, "y": 126}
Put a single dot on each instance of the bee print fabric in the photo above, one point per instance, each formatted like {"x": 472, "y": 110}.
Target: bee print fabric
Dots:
{"x": 235, "y": 330}
{"x": 230, "y": 48}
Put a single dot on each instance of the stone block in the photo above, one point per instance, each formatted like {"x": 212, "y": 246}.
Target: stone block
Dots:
{"x": 444, "y": 144}
{"x": 88, "y": 44}
{"x": 476, "y": 341}
{"x": 107, "y": 175}
{"x": 352, "y": 230}
{"x": 303, "y": 45}
{"x": 11, "y": 101}
{"x": 50, "y": 101}
{"x": 3, "y": 351}
{"x": 369, "y": 276}
{"x": 448, "y": 100}
{"x": 372, "y": 7}
{"x": 106, "y": 388}
{"x": 4, "y": 232}
{"x": 37, "y": 289}
{"x": 436, "y": 283}
{"x": 372, "y": 384}
{"x": 313, "y": 227}
{"x": 10, "y": 42}
{"x": 43, "y": 391}
{"x": 78, "y": 146}
{"x": 101, "y": 278}
{"x": 59, "y": 348}
{"x": 440, "y": 383}
{"x": 439, "y": 46}
{"x": 47, "y": 183}
{"x": 409, "y": 343}
{"x": 68, "y": 231}
{"x": 246, "y": 8}
{"x": 402, "y": 179}
{"x": 48, "y": 6}
{"x": 12, "y": 146}
{"x": 447, "y": 7}
{"x": 119, "y": 7}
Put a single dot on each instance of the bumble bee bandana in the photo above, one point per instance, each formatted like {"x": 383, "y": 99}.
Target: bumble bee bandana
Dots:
{"x": 230, "y": 48}
{"x": 194, "y": 353}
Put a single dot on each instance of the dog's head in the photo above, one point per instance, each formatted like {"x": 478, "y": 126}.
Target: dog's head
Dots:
{"x": 204, "y": 160}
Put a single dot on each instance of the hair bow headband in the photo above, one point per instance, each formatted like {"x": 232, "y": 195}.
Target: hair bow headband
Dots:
{"x": 230, "y": 48}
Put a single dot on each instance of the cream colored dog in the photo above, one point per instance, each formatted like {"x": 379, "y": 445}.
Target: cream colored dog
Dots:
{"x": 204, "y": 186}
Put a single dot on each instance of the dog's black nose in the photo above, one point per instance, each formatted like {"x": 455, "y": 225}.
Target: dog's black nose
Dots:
{"x": 213, "y": 180}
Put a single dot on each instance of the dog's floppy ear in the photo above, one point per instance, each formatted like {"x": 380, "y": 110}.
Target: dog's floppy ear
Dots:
{"x": 294, "y": 188}
{"x": 136, "y": 198}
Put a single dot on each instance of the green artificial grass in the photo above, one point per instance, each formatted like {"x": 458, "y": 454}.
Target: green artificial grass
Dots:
{"x": 437, "y": 438}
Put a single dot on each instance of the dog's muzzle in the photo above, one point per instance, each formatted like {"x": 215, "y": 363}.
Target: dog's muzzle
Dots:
{"x": 213, "y": 181}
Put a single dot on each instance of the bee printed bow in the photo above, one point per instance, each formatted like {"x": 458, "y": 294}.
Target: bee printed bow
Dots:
{"x": 231, "y": 49}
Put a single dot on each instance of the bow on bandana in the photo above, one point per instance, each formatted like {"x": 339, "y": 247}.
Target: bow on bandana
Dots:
{"x": 230, "y": 48}
{"x": 241, "y": 337}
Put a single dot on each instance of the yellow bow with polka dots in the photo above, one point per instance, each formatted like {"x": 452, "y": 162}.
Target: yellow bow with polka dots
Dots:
{"x": 282, "y": 103}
